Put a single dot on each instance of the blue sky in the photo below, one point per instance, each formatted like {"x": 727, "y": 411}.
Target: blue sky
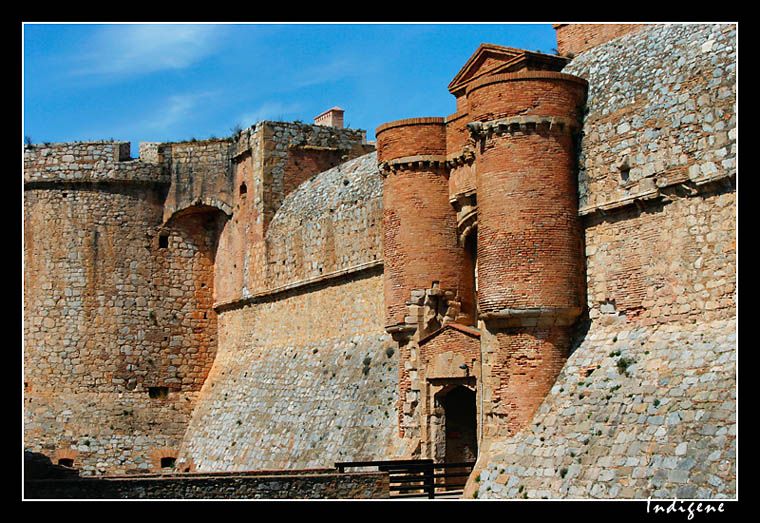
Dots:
{"x": 174, "y": 82}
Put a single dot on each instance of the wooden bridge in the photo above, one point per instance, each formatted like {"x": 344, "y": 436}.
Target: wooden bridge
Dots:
{"x": 419, "y": 478}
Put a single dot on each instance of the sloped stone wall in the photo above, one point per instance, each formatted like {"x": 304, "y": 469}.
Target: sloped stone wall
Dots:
{"x": 301, "y": 380}
{"x": 637, "y": 412}
{"x": 305, "y": 374}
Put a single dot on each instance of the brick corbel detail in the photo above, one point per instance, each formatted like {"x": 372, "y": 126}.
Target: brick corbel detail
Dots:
{"x": 532, "y": 317}
{"x": 524, "y": 124}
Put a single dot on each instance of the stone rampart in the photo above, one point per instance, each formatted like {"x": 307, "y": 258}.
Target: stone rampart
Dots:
{"x": 229, "y": 305}
{"x": 201, "y": 174}
{"x": 306, "y": 375}
{"x": 573, "y": 39}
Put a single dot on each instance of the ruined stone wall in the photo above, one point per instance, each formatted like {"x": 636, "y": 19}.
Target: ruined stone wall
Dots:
{"x": 119, "y": 331}
{"x": 646, "y": 404}
{"x": 306, "y": 375}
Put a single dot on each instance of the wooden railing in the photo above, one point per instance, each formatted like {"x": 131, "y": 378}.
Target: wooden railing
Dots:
{"x": 419, "y": 477}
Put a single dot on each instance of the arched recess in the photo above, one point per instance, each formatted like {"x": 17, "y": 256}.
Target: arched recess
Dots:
{"x": 186, "y": 248}
{"x": 469, "y": 240}
{"x": 202, "y": 222}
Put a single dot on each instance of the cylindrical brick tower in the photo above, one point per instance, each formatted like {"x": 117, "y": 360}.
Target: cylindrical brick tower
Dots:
{"x": 530, "y": 265}
{"x": 420, "y": 234}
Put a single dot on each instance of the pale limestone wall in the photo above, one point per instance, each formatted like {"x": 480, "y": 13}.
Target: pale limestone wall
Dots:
{"x": 290, "y": 387}
{"x": 646, "y": 404}
{"x": 674, "y": 262}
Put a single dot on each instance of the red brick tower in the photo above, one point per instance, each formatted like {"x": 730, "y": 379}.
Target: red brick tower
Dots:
{"x": 422, "y": 257}
{"x": 530, "y": 270}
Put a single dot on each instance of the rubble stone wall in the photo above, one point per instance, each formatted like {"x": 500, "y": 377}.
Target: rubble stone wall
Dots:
{"x": 300, "y": 484}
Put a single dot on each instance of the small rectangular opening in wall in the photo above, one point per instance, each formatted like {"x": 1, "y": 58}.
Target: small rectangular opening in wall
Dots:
{"x": 163, "y": 241}
{"x": 168, "y": 462}
{"x": 66, "y": 462}
{"x": 158, "y": 392}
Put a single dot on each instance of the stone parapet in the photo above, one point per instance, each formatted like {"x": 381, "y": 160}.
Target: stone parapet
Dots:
{"x": 293, "y": 484}
{"x": 87, "y": 162}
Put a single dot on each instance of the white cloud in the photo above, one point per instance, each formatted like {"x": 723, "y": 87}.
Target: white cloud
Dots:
{"x": 145, "y": 48}
{"x": 178, "y": 108}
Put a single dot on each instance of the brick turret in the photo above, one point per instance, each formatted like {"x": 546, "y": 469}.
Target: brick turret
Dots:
{"x": 422, "y": 257}
{"x": 528, "y": 231}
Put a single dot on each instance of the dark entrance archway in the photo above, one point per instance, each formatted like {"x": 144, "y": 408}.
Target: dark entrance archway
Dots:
{"x": 461, "y": 425}
{"x": 460, "y": 431}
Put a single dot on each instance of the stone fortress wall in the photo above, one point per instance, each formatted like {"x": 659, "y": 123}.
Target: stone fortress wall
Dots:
{"x": 646, "y": 403}
{"x": 231, "y": 305}
{"x": 306, "y": 375}
{"x": 125, "y": 294}
{"x": 113, "y": 315}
